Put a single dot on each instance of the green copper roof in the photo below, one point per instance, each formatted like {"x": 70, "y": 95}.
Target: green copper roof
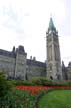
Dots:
{"x": 51, "y": 24}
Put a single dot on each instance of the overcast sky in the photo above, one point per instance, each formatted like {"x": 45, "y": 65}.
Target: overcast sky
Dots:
{"x": 25, "y": 22}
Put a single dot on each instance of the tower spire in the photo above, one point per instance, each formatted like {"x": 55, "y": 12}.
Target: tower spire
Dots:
{"x": 51, "y": 25}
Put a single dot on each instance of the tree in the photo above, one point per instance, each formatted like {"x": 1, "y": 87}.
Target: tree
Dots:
{"x": 4, "y": 85}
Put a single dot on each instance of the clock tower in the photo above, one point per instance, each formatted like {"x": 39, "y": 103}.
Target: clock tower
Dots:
{"x": 54, "y": 70}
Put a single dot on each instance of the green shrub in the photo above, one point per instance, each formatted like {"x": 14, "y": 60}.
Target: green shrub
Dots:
{"x": 4, "y": 85}
{"x": 22, "y": 82}
{"x": 42, "y": 81}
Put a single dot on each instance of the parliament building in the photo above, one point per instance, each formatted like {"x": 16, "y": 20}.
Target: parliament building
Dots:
{"x": 16, "y": 65}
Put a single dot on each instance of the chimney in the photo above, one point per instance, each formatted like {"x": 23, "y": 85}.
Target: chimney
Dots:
{"x": 31, "y": 57}
{"x": 13, "y": 50}
{"x": 34, "y": 58}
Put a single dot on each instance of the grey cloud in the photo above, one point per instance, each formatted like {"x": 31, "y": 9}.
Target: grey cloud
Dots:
{"x": 13, "y": 21}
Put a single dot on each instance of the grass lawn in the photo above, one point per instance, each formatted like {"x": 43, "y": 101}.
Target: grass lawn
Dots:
{"x": 56, "y": 99}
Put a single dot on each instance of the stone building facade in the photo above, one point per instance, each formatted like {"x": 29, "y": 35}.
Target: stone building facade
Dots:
{"x": 16, "y": 65}
{"x": 68, "y": 71}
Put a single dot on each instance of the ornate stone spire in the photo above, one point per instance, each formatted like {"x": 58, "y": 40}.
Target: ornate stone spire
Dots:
{"x": 51, "y": 25}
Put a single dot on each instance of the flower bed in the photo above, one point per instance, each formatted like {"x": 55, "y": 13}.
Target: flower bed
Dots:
{"x": 35, "y": 89}
{"x": 27, "y": 96}
{"x": 19, "y": 99}
{"x": 32, "y": 89}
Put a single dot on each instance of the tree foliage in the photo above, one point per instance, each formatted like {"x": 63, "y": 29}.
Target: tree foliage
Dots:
{"x": 4, "y": 85}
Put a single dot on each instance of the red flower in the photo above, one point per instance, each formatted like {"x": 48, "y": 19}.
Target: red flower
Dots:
{"x": 35, "y": 89}
{"x": 16, "y": 99}
{"x": 16, "y": 106}
{"x": 23, "y": 98}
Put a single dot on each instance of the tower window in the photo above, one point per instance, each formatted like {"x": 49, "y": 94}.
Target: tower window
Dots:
{"x": 50, "y": 52}
{"x": 56, "y": 52}
{"x": 50, "y": 66}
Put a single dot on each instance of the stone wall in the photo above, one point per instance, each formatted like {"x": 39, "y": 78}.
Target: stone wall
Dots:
{"x": 7, "y": 65}
{"x": 16, "y": 65}
{"x": 35, "y": 71}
